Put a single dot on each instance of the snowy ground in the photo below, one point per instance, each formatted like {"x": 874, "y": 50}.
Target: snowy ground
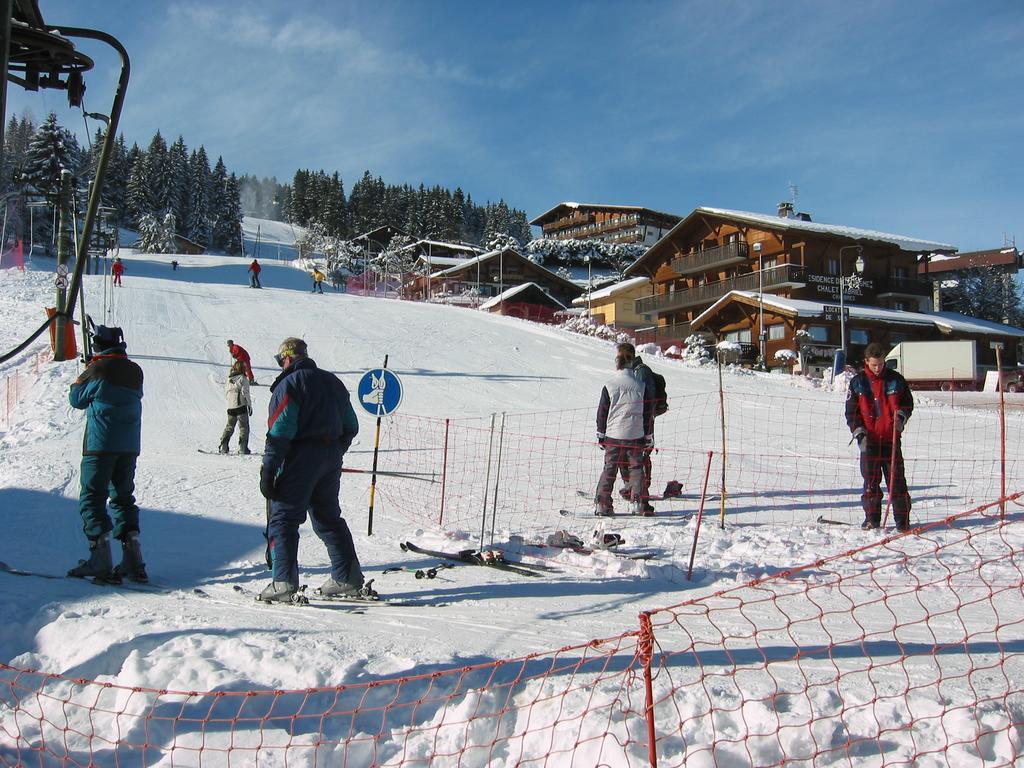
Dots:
{"x": 203, "y": 517}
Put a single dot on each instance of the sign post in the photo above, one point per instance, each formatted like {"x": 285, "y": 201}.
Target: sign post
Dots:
{"x": 379, "y": 392}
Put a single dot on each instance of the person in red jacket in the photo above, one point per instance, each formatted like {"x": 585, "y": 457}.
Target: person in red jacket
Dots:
{"x": 254, "y": 274}
{"x": 117, "y": 269}
{"x": 239, "y": 354}
{"x": 878, "y": 407}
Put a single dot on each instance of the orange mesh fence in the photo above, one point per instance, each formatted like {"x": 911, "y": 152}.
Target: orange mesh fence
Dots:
{"x": 18, "y": 381}
{"x": 787, "y": 460}
{"x": 907, "y": 652}
{"x": 561, "y": 707}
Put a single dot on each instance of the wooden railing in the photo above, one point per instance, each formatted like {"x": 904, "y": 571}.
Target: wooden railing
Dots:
{"x": 773, "y": 277}
{"x": 719, "y": 256}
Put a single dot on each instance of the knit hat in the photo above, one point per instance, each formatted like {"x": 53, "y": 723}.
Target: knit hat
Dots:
{"x": 292, "y": 347}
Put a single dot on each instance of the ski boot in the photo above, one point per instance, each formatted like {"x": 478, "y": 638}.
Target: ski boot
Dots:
{"x": 281, "y": 592}
{"x": 641, "y": 508}
{"x": 99, "y": 566}
{"x": 871, "y": 523}
{"x": 243, "y": 450}
{"x": 223, "y": 448}
{"x": 132, "y": 566}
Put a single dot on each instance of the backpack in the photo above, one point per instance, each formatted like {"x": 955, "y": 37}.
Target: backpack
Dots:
{"x": 660, "y": 395}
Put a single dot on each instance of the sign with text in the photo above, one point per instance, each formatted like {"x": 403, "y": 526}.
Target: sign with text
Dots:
{"x": 832, "y": 312}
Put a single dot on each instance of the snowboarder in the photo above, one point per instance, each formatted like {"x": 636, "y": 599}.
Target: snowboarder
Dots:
{"x": 254, "y": 274}
{"x": 110, "y": 392}
{"x": 117, "y": 269}
{"x": 878, "y": 406}
{"x": 239, "y": 354}
{"x": 318, "y": 280}
{"x": 239, "y": 409}
{"x": 625, "y": 426}
{"x": 311, "y": 425}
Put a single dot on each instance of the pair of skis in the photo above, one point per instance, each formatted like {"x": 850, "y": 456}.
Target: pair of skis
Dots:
{"x": 487, "y": 558}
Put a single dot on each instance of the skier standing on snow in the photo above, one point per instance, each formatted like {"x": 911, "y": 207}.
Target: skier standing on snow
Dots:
{"x": 117, "y": 269}
{"x": 310, "y": 427}
{"x": 239, "y": 409}
{"x": 647, "y": 375}
{"x": 254, "y": 274}
{"x": 318, "y": 280}
{"x": 239, "y": 354}
{"x": 878, "y": 406}
{"x": 625, "y": 425}
{"x": 110, "y": 392}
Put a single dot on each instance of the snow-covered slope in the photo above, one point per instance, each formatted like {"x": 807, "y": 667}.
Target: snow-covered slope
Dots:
{"x": 203, "y": 516}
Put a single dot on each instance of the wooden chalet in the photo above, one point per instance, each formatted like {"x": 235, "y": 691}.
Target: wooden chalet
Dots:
{"x": 475, "y": 280}
{"x": 714, "y": 251}
{"x": 376, "y": 240}
{"x": 623, "y": 224}
{"x": 190, "y": 247}
{"x": 1006, "y": 260}
{"x": 527, "y": 301}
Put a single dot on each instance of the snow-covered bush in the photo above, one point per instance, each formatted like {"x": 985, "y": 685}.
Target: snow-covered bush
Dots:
{"x": 697, "y": 349}
{"x": 786, "y": 356}
{"x": 587, "y": 327}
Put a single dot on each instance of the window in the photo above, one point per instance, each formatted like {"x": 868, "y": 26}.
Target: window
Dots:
{"x": 833, "y": 266}
{"x": 900, "y": 305}
{"x": 896, "y": 338}
{"x": 859, "y": 336}
{"x": 899, "y": 272}
{"x": 818, "y": 332}
{"x": 770, "y": 261}
{"x": 742, "y": 336}
{"x": 776, "y": 331}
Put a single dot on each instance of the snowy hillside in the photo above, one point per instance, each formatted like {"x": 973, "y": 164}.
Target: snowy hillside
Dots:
{"x": 203, "y": 516}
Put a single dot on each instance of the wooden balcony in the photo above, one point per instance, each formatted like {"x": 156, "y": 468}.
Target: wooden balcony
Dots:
{"x": 661, "y": 334}
{"x": 903, "y": 286}
{"x": 783, "y": 275}
{"x": 710, "y": 258}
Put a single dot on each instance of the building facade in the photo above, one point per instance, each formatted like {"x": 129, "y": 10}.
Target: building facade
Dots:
{"x": 622, "y": 224}
{"x": 713, "y": 252}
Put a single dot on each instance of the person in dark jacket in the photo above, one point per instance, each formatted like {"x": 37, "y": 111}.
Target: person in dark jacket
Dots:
{"x": 625, "y": 428}
{"x": 310, "y": 426}
{"x": 110, "y": 392}
{"x": 644, "y": 371}
{"x": 878, "y": 407}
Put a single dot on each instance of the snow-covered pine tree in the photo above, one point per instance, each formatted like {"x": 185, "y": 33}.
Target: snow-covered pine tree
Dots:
{"x": 197, "y": 226}
{"x": 230, "y": 223}
{"x": 178, "y": 181}
{"x": 157, "y": 172}
{"x": 136, "y": 196}
{"x": 50, "y": 151}
{"x": 987, "y": 293}
{"x": 218, "y": 206}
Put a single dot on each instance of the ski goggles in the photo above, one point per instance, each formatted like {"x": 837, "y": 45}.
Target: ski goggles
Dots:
{"x": 279, "y": 359}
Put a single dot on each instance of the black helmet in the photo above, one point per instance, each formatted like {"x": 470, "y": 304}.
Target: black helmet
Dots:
{"x": 104, "y": 337}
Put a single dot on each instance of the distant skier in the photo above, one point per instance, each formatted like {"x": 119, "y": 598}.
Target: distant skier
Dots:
{"x": 318, "y": 280}
{"x": 174, "y": 265}
{"x": 254, "y": 274}
{"x": 117, "y": 269}
{"x": 239, "y": 409}
{"x": 625, "y": 428}
{"x": 110, "y": 392}
{"x": 878, "y": 406}
{"x": 239, "y": 354}
{"x": 310, "y": 427}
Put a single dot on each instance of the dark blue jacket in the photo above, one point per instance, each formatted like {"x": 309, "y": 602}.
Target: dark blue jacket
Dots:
{"x": 307, "y": 403}
{"x": 110, "y": 392}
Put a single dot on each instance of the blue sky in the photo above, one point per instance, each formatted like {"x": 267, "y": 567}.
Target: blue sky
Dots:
{"x": 901, "y": 115}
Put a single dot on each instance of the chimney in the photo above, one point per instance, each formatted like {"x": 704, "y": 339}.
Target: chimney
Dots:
{"x": 803, "y": 216}
{"x": 785, "y": 210}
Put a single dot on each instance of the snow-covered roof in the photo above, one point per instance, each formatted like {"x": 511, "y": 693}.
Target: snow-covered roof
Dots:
{"x": 614, "y": 290}
{"x": 490, "y": 255}
{"x": 448, "y": 261}
{"x": 853, "y": 233}
{"x": 602, "y": 207}
{"x": 508, "y": 293}
{"x": 947, "y": 322}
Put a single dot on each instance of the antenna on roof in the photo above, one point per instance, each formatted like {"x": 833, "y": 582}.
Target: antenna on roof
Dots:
{"x": 794, "y": 192}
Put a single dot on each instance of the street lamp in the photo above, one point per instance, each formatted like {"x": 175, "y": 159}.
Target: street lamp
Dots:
{"x": 760, "y": 304}
{"x": 859, "y": 266}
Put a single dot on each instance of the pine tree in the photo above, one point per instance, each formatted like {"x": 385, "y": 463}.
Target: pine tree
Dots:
{"x": 986, "y": 293}
{"x": 48, "y": 154}
{"x": 218, "y": 206}
{"x": 227, "y": 233}
{"x": 197, "y": 226}
{"x": 178, "y": 181}
{"x": 137, "y": 202}
{"x": 157, "y": 172}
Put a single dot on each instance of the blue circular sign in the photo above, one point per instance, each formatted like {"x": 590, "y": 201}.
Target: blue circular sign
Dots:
{"x": 379, "y": 392}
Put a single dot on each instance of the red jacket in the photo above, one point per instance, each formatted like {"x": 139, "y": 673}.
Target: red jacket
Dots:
{"x": 239, "y": 353}
{"x": 117, "y": 268}
{"x": 872, "y": 403}
{"x": 255, "y": 267}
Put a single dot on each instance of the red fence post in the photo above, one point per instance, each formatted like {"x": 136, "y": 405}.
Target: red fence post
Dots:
{"x": 700, "y": 516}
{"x": 645, "y": 649}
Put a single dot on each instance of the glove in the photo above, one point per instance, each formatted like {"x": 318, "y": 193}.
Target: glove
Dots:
{"x": 648, "y": 442}
{"x": 600, "y": 440}
{"x": 268, "y": 482}
{"x": 901, "y": 422}
{"x": 861, "y": 436}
